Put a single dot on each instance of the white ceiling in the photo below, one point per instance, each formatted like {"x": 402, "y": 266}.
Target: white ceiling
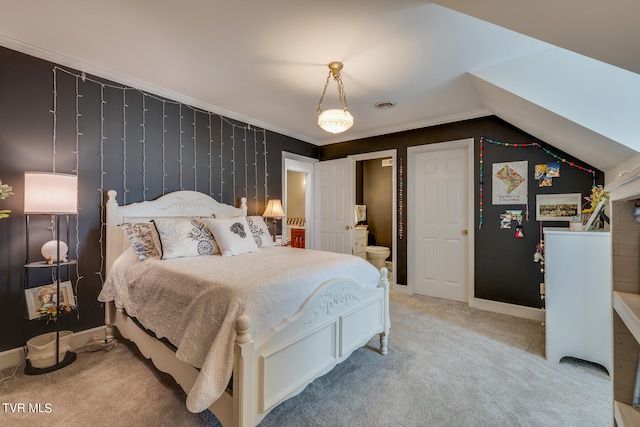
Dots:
{"x": 265, "y": 63}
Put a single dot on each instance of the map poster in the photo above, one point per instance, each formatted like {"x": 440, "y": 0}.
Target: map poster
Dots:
{"x": 510, "y": 183}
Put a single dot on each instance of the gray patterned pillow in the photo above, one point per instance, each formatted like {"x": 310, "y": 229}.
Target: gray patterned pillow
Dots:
{"x": 260, "y": 231}
{"x": 185, "y": 237}
{"x": 142, "y": 238}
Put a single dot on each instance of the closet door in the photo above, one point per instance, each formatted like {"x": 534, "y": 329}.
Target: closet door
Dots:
{"x": 439, "y": 240}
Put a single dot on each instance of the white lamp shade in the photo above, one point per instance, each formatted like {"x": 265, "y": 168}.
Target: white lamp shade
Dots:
{"x": 274, "y": 209}
{"x": 50, "y": 193}
{"x": 335, "y": 120}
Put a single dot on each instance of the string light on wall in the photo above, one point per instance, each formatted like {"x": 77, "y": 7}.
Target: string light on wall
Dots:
{"x": 164, "y": 134}
{"x": 195, "y": 153}
{"x": 210, "y": 130}
{"x": 335, "y": 120}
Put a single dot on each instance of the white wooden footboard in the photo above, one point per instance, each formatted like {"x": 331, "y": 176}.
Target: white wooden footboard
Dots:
{"x": 338, "y": 318}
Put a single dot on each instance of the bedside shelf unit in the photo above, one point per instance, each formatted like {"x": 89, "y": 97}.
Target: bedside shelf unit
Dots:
{"x": 45, "y": 264}
{"x": 625, "y": 233}
{"x": 57, "y": 266}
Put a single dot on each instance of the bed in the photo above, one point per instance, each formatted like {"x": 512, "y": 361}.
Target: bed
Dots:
{"x": 262, "y": 353}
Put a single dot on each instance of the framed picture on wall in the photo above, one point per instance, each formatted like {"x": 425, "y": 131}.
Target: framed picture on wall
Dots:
{"x": 558, "y": 207}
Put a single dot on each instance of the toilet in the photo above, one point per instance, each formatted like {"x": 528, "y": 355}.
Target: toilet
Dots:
{"x": 377, "y": 255}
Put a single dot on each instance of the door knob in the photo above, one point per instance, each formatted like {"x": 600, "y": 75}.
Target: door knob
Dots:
{"x": 465, "y": 232}
{"x": 347, "y": 227}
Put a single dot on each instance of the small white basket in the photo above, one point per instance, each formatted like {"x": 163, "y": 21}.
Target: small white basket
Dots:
{"x": 42, "y": 348}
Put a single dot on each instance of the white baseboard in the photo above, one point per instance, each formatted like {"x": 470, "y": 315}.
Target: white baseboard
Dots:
{"x": 14, "y": 357}
{"x": 400, "y": 289}
{"x": 510, "y": 309}
{"x": 493, "y": 306}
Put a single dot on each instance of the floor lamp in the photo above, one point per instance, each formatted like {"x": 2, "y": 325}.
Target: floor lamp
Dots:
{"x": 275, "y": 212}
{"x": 52, "y": 194}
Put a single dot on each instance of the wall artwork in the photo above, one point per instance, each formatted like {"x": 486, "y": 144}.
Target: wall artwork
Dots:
{"x": 510, "y": 183}
{"x": 544, "y": 173}
{"x": 557, "y": 207}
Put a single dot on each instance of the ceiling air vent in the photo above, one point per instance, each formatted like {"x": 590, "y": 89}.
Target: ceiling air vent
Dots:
{"x": 387, "y": 162}
{"x": 384, "y": 105}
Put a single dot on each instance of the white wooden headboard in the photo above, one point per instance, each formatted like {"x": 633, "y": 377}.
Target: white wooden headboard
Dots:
{"x": 176, "y": 204}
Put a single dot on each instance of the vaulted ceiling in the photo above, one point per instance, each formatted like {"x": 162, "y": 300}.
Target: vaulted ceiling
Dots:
{"x": 567, "y": 72}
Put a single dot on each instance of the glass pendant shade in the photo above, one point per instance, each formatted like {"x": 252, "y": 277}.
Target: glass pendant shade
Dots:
{"x": 335, "y": 120}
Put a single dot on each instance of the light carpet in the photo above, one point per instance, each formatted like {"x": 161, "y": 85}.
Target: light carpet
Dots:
{"x": 448, "y": 365}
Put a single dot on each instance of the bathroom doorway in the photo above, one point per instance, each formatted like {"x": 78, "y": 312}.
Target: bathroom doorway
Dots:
{"x": 375, "y": 177}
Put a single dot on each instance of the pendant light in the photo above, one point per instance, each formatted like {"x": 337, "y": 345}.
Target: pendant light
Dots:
{"x": 335, "y": 120}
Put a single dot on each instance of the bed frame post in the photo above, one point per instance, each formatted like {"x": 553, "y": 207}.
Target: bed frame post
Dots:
{"x": 112, "y": 253}
{"x": 384, "y": 335}
{"x": 243, "y": 376}
{"x": 113, "y": 245}
{"x": 109, "y": 320}
{"x": 243, "y": 206}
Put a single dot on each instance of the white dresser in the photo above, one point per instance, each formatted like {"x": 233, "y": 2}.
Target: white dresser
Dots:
{"x": 578, "y": 295}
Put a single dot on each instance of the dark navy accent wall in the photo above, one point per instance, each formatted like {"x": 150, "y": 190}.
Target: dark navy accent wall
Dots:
{"x": 504, "y": 267}
{"x": 228, "y": 163}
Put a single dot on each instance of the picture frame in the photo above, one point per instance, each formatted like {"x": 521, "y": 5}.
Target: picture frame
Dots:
{"x": 39, "y": 296}
{"x": 595, "y": 214}
{"x": 558, "y": 207}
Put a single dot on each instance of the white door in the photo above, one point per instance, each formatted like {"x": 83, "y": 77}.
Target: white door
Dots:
{"x": 335, "y": 204}
{"x": 440, "y": 223}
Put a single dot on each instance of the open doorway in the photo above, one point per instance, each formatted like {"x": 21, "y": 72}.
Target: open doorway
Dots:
{"x": 297, "y": 200}
{"x": 376, "y": 195}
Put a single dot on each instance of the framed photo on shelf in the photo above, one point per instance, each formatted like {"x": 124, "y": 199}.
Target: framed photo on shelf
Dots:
{"x": 45, "y": 296}
{"x": 558, "y": 207}
{"x": 595, "y": 214}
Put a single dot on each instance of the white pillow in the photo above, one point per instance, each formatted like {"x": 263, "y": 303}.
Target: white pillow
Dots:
{"x": 260, "y": 231}
{"x": 143, "y": 238}
{"x": 232, "y": 235}
{"x": 184, "y": 237}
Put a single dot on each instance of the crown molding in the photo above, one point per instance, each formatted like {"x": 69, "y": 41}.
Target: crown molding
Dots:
{"x": 104, "y": 73}
{"x": 474, "y": 114}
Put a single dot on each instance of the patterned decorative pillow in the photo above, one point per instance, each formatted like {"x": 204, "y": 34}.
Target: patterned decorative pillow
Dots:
{"x": 260, "y": 231}
{"x": 185, "y": 237}
{"x": 143, "y": 239}
{"x": 232, "y": 235}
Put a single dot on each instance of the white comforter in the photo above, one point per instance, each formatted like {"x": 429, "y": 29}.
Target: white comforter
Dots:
{"x": 195, "y": 302}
